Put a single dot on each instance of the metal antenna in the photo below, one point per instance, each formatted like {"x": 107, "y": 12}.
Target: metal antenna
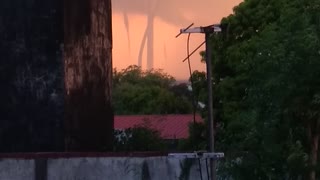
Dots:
{"x": 185, "y": 29}
{"x": 194, "y": 51}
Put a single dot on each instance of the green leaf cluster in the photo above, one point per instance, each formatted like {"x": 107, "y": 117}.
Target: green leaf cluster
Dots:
{"x": 148, "y": 92}
{"x": 139, "y": 138}
{"x": 266, "y": 90}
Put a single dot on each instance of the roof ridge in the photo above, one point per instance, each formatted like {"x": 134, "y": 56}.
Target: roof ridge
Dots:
{"x": 156, "y": 115}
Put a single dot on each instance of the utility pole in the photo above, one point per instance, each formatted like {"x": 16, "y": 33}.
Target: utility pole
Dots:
{"x": 210, "y": 105}
{"x": 208, "y": 30}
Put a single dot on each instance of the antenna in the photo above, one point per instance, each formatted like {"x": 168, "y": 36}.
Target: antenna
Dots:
{"x": 195, "y": 50}
{"x": 185, "y": 28}
{"x": 214, "y": 28}
{"x": 208, "y": 29}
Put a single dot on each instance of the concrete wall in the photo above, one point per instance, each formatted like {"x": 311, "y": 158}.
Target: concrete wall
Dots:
{"x": 11, "y": 169}
{"x": 100, "y": 168}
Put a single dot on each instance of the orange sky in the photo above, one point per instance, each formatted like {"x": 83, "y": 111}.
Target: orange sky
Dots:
{"x": 170, "y": 18}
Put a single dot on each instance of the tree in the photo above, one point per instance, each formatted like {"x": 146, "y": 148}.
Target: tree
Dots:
{"x": 147, "y": 92}
{"x": 88, "y": 75}
{"x": 197, "y": 139}
{"x": 139, "y": 138}
{"x": 266, "y": 73}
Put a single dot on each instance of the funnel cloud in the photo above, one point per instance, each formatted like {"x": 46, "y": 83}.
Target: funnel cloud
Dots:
{"x": 170, "y": 11}
{"x": 175, "y": 13}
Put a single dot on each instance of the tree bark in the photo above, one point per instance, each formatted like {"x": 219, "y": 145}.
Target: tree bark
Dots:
{"x": 88, "y": 75}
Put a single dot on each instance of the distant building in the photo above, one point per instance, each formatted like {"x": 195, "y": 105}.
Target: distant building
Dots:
{"x": 171, "y": 127}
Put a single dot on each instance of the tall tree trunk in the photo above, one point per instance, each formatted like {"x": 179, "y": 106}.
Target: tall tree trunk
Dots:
{"x": 88, "y": 75}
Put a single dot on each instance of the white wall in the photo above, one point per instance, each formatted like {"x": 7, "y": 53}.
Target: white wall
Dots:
{"x": 11, "y": 169}
{"x": 105, "y": 168}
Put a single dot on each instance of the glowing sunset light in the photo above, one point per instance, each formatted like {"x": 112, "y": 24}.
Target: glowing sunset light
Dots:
{"x": 167, "y": 52}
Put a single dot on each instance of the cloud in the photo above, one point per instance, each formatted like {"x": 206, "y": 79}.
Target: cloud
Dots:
{"x": 171, "y": 11}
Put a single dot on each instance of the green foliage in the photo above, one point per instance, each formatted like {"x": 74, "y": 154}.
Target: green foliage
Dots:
{"x": 139, "y": 138}
{"x": 199, "y": 89}
{"x": 266, "y": 89}
{"x": 147, "y": 92}
{"x": 196, "y": 139}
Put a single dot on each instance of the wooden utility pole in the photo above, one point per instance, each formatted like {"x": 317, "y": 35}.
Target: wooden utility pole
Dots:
{"x": 208, "y": 30}
{"x": 88, "y": 75}
{"x": 210, "y": 104}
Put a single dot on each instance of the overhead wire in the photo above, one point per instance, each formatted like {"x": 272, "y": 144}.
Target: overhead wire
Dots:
{"x": 192, "y": 87}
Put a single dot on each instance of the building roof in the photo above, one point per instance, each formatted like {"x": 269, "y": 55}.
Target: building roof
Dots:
{"x": 174, "y": 126}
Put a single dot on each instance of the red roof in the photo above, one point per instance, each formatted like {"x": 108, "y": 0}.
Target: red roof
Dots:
{"x": 170, "y": 126}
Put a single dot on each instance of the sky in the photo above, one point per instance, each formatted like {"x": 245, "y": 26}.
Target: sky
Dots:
{"x": 130, "y": 22}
